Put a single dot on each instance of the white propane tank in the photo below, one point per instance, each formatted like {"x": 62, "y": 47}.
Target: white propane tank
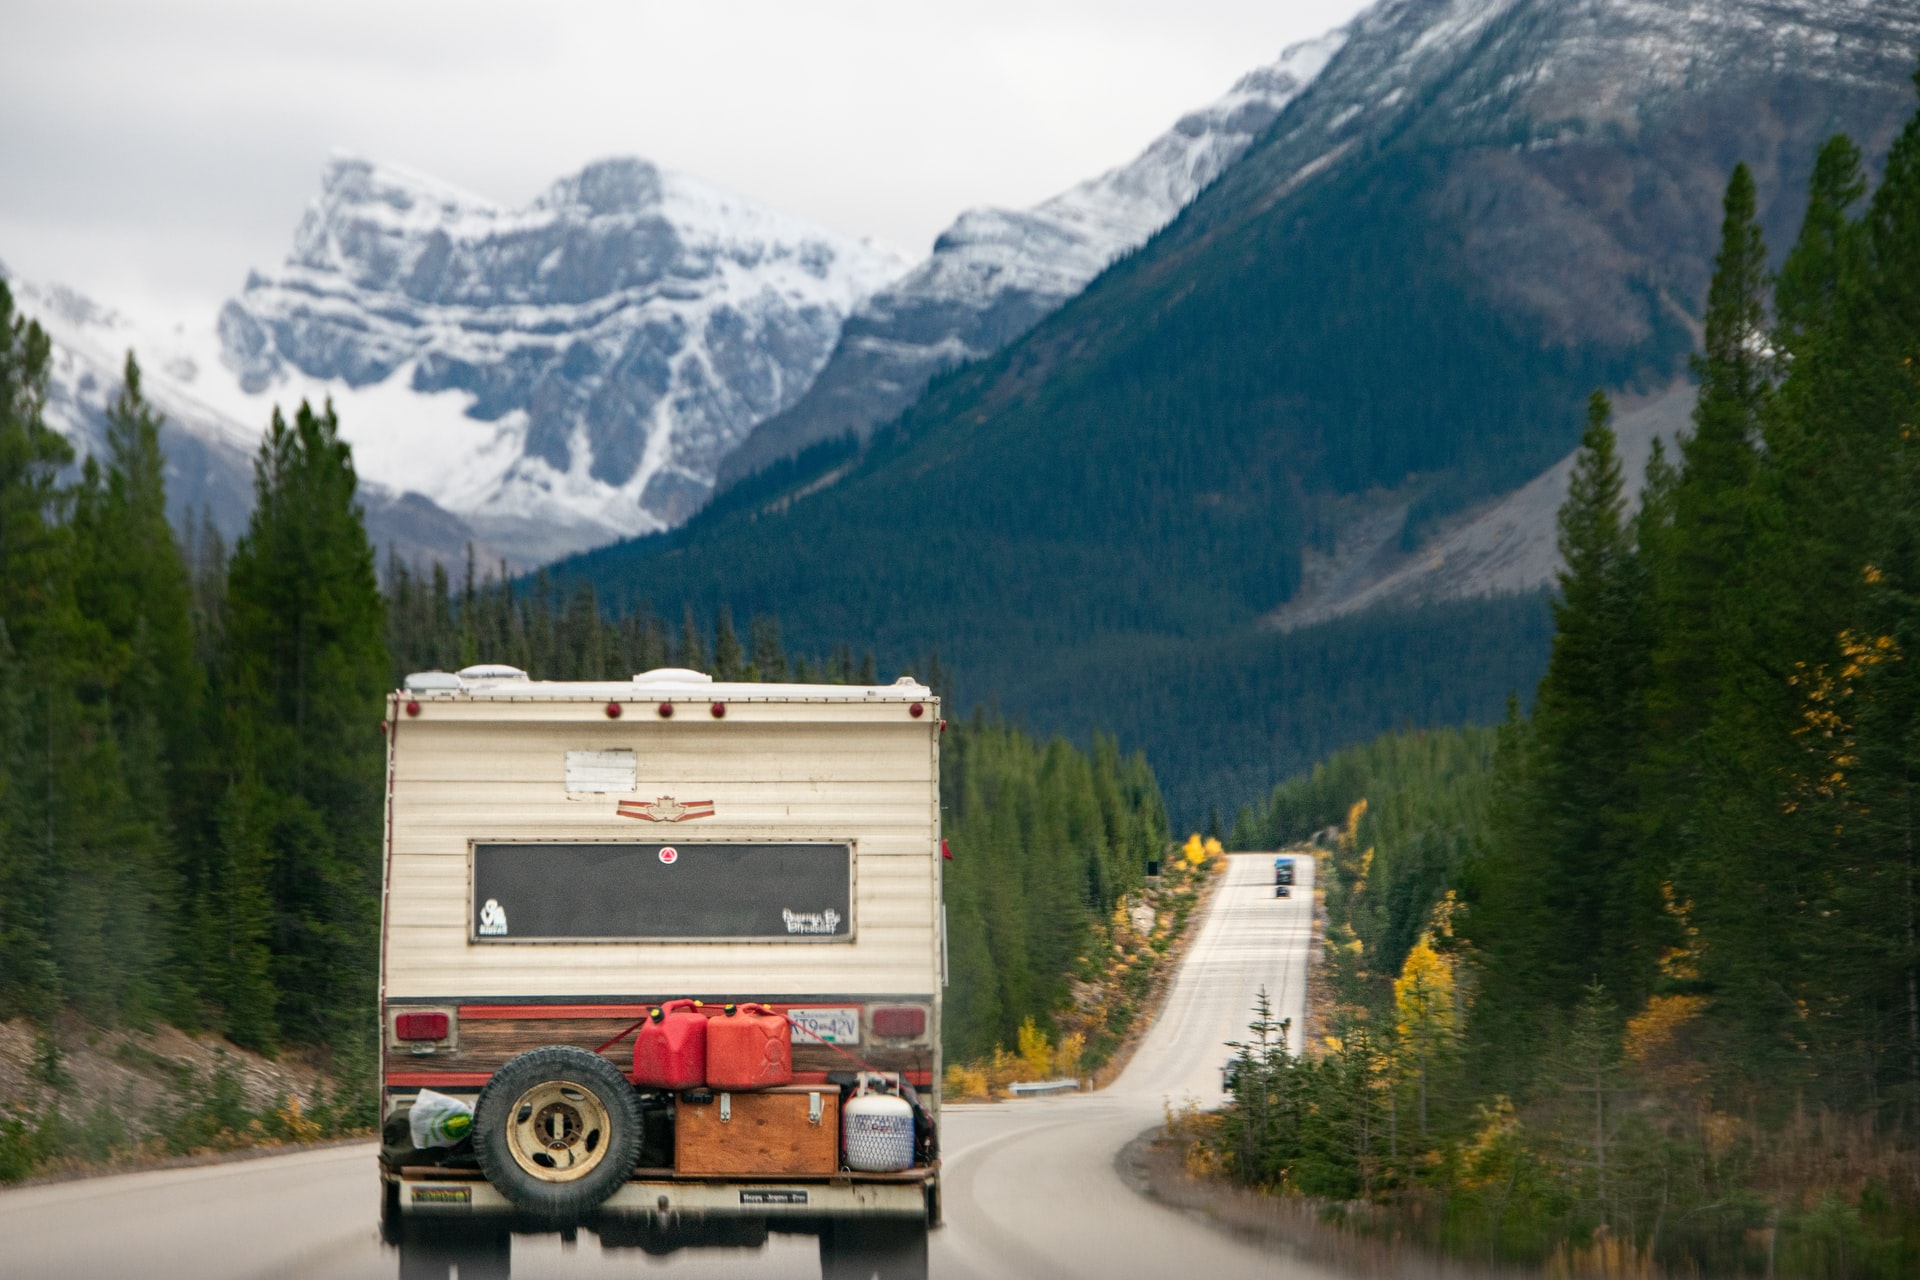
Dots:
{"x": 879, "y": 1130}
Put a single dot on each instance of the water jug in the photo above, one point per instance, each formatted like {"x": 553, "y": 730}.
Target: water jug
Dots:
{"x": 671, "y": 1050}
{"x": 749, "y": 1047}
{"x": 878, "y": 1129}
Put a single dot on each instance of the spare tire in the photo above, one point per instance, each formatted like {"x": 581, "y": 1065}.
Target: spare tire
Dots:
{"x": 557, "y": 1130}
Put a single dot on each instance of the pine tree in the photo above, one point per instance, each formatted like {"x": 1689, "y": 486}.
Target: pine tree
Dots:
{"x": 304, "y": 670}
{"x": 1710, "y": 498}
{"x": 35, "y": 613}
{"x": 729, "y": 659}
{"x": 1569, "y": 893}
{"x": 768, "y": 656}
{"x": 692, "y": 653}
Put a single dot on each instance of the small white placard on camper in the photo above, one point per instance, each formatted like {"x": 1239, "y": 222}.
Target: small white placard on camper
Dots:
{"x": 830, "y": 1026}
{"x": 601, "y": 771}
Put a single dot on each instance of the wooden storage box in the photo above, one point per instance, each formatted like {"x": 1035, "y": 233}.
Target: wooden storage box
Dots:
{"x": 794, "y": 1129}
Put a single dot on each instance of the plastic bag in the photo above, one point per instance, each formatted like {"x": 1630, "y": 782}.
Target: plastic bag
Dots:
{"x": 438, "y": 1121}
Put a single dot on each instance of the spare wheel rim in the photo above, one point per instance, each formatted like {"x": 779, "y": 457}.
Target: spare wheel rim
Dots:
{"x": 558, "y": 1131}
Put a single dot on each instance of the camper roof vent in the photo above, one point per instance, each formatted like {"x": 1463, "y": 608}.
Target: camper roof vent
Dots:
{"x": 672, "y": 675}
{"x": 433, "y": 682}
{"x": 492, "y": 672}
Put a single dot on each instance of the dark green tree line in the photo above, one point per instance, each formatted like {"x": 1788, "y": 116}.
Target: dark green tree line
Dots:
{"x": 1686, "y": 945}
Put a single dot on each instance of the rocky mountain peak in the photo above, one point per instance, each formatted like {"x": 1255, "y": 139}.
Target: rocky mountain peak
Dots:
{"x": 603, "y": 346}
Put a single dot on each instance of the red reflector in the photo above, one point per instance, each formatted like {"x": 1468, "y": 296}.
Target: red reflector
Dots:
{"x": 420, "y": 1026}
{"x": 907, "y": 1020}
{"x": 946, "y": 852}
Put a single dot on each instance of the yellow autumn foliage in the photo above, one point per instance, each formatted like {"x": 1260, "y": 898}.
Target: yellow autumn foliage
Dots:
{"x": 964, "y": 1082}
{"x": 1351, "y": 836}
{"x": 1036, "y": 1050}
{"x": 1194, "y": 850}
{"x": 1423, "y": 997}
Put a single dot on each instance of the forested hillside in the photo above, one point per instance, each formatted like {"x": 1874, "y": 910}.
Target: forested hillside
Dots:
{"x": 190, "y": 762}
{"x": 1406, "y": 287}
{"x": 1660, "y": 1008}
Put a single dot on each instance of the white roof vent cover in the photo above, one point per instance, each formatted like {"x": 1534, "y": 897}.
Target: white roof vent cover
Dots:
{"x": 673, "y": 675}
{"x": 492, "y": 671}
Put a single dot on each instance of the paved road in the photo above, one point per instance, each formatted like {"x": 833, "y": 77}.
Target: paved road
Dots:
{"x": 1031, "y": 1189}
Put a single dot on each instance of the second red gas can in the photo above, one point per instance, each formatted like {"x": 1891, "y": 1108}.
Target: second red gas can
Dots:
{"x": 749, "y": 1046}
{"x": 671, "y": 1050}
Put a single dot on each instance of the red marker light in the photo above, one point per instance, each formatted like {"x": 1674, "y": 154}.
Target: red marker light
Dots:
{"x": 916, "y": 710}
{"x": 945, "y": 851}
{"x": 413, "y": 708}
{"x": 666, "y": 711}
{"x": 900, "y": 1022}
{"x": 719, "y": 711}
{"x": 420, "y": 1026}
{"x": 613, "y": 711}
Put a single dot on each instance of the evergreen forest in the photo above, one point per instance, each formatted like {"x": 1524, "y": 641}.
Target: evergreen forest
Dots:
{"x": 190, "y": 756}
{"x": 1632, "y": 984}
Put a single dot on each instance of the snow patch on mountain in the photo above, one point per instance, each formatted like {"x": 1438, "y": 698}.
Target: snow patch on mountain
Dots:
{"x": 580, "y": 365}
{"x": 209, "y": 453}
{"x": 994, "y": 273}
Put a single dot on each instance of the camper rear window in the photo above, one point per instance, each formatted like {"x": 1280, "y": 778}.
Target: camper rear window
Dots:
{"x": 681, "y": 892}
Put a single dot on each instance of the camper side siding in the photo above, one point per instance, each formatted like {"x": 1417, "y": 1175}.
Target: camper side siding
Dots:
{"x": 492, "y": 770}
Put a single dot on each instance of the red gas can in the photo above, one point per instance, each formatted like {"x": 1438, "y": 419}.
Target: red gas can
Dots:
{"x": 671, "y": 1050}
{"x": 749, "y": 1047}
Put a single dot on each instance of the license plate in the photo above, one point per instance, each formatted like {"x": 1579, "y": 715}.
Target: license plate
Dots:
{"x": 773, "y": 1197}
{"x": 833, "y": 1026}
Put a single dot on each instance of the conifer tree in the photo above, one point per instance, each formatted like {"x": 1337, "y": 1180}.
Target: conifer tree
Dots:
{"x": 1570, "y": 882}
{"x": 304, "y": 670}
{"x": 35, "y": 613}
{"x": 1710, "y": 498}
{"x": 729, "y": 659}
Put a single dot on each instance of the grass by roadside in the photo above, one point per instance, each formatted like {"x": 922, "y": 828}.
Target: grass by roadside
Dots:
{"x": 78, "y": 1100}
{"x": 1168, "y": 1165}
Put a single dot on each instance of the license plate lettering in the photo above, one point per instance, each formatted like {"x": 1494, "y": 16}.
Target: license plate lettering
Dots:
{"x": 828, "y": 1026}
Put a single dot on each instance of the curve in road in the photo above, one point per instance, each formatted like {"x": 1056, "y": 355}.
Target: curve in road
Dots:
{"x": 1031, "y": 1186}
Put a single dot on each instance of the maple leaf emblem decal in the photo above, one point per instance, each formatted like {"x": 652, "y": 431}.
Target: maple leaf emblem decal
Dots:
{"x": 666, "y": 809}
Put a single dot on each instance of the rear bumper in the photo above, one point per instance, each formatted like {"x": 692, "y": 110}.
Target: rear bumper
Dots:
{"x": 444, "y": 1198}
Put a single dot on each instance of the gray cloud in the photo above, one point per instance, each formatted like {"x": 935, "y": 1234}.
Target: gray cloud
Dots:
{"x": 154, "y": 152}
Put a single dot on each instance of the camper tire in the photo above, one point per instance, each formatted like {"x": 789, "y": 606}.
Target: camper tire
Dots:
{"x": 557, "y": 1130}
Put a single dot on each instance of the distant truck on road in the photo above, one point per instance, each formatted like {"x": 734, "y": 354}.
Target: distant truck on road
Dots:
{"x": 571, "y": 868}
{"x": 1282, "y": 877}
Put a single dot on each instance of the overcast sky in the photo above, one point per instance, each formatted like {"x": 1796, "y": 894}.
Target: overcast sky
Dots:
{"x": 152, "y": 152}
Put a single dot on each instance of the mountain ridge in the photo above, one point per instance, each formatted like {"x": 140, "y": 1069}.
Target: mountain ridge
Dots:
{"x": 1372, "y": 299}
{"x": 994, "y": 273}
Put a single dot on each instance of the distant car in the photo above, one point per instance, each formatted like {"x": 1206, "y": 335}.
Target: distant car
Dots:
{"x": 1282, "y": 891}
{"x": 1283, "y": 870}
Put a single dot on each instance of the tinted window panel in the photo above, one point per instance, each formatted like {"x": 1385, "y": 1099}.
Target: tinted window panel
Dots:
{"x": 674, "y": 892}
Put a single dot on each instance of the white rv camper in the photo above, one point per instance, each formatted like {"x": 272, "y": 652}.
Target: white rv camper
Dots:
{"x": 564, "y": 859}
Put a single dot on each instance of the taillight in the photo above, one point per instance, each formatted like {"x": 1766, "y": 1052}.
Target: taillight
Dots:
{"x": 420, "y": 1026}
{"x": 900, "y": 1022}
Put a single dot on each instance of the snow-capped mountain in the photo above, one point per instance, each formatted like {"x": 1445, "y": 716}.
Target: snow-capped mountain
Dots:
{"x": 209, "y": 455}
{"x": 558, "y": 375}
{"x": 995, "y": 272}
{"x": 1560, "y": 112}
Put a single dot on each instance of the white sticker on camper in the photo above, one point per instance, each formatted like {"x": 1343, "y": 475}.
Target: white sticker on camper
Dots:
{"x": 493, "y": 920}
{"x": 827, "y": 921}
{"x": 825, "y": 1026}
{"x": 601, "y": 772}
